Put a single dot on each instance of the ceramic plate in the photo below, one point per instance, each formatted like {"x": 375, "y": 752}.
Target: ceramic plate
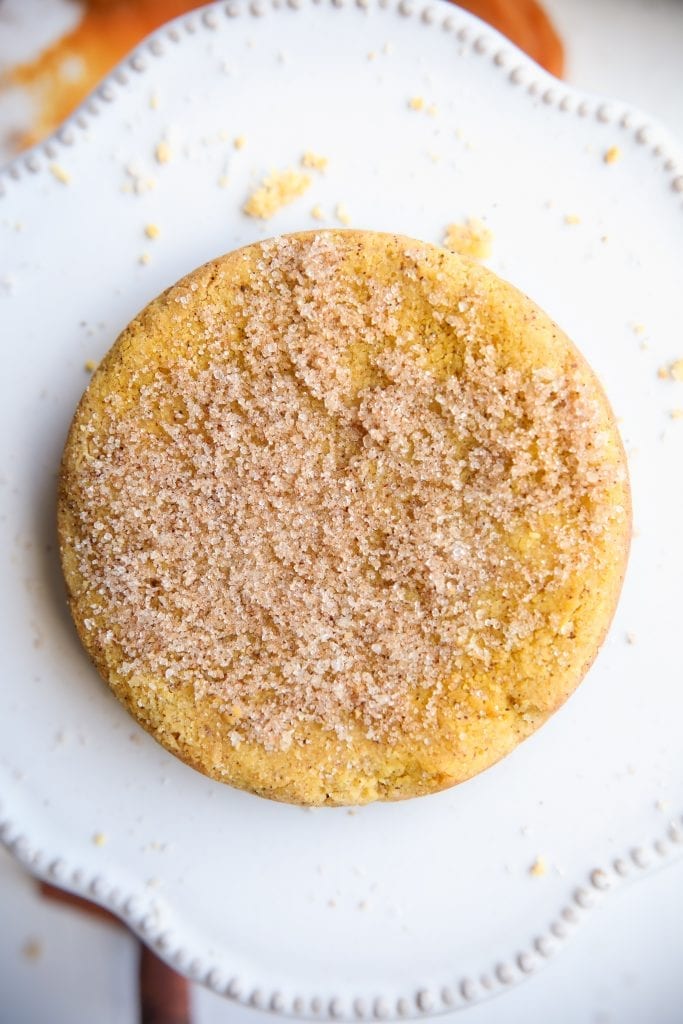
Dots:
{"x": 390, "y": 910}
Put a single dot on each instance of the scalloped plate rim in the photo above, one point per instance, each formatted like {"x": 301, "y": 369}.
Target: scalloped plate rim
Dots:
{"x": 135, "y": 907}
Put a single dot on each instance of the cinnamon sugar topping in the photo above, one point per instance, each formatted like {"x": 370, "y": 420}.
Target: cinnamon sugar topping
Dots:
{"x": 317, "y": 516}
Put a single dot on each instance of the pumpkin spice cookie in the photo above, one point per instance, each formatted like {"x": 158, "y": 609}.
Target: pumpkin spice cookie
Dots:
{"x": 343, "y": 517}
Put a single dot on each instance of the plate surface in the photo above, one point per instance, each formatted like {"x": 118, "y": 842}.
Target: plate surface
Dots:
{"x": 390, "y": 910}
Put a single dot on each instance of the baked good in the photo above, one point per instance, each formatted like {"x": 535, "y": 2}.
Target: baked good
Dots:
{"x": 343, "y": 517}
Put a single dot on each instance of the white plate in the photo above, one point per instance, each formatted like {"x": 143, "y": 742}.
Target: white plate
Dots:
{"x": 391, "y": 910}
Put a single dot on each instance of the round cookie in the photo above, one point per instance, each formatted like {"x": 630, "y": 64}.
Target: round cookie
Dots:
{"x": 343, "y": 517}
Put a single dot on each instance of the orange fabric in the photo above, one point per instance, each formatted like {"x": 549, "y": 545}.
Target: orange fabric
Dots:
{"x": 62, "y": 76}
{"x": 526, "y": 24}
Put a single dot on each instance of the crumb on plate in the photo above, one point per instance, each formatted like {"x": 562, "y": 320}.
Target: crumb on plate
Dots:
{"x": 162, "y": 152}
{"x": 539, "y": 868}
{"x": 314, "y": 161}
{"x": 342, "y": 214}
{"x": 469, "y": 238}
{"x": 32, "y": 949}
{"x": 278, "y": 189}
{"x": 60, "y": 173}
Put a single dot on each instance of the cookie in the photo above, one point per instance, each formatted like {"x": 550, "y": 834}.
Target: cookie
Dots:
{"x": 343, "y": 517}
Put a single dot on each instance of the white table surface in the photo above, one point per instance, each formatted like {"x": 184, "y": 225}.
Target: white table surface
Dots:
{"x": 58, "y": 966}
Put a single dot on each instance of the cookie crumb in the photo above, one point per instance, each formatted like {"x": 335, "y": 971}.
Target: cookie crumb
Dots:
{"x": 539, "y": 868}
{"x": 388, "y": 48}
{"x": 611, "y": 155}
{"x": 223, "y": 181}
{"x": 677, "y": 414}
{"x": 342, "y": 214}
{"x": 99, "y": 839}
{"x": 144, "y": 258}
{"x": 372, "y": 55}
{"x": 416, "y": 103}
{"x": 154, "y": 101}
{"x": 471, "y": 238}
{"x": 663, "y": 372}
{"x": 676, "y": 370}
{"x": 60, "y": 173}
{"x": 90, "y": 366}
{"x": 313, "y": 161}
{"x": 572, "y": 218}
{"x": 240, "y": 142}
{"x": 152, "y": 230}
{"x": 278, "y": 189}
{"x": 317, "y": 213}
{"x": 32, "y": 950}
{"x": 162, "y": 152}
{"x": 638, "y": 328}
{"x": 630, "y": 638}
{"x": 138, "y": 183}
{"x": 432, "y": 110}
